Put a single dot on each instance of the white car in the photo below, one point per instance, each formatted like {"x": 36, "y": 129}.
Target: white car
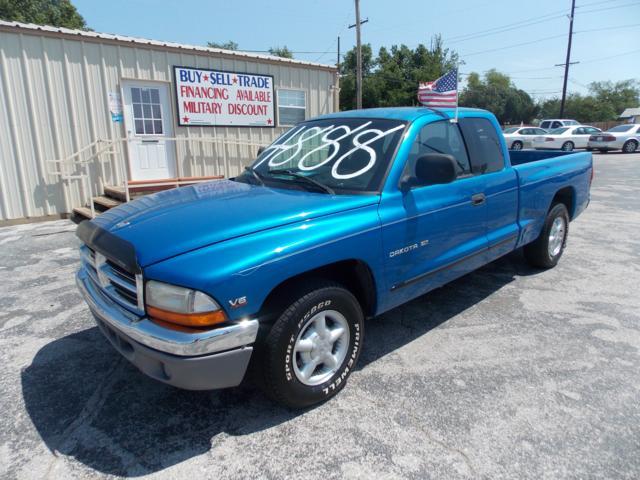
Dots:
{"x": 553, "y": 123}
{"x": 565, "y": 138}
{"x": 621, "y": 137}
{"x": 518, "y": 138}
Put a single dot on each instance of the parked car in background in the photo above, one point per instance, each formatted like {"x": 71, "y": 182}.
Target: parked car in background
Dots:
{"x": 565, "y": 138}
{"x": 552, "y": 123}
{"x": 620, "y": 137}
{"x": 518, "y": 138}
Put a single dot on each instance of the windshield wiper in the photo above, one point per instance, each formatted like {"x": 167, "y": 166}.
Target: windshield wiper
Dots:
{"x": 255, "y": 174}
{"x": 299, "y": 176}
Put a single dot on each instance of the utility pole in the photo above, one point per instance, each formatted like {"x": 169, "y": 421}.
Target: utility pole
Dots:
{"x": 358, "y": 59}
{"x": 568, "y": 60}
{"x": 338, "y": 60}
{"x": 358, "y": 55}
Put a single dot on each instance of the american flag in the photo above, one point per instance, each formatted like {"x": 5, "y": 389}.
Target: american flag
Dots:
{"x": 441, "y": 93}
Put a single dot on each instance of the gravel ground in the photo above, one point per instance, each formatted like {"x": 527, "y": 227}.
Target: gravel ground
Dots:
{"x": 508, "y": 372}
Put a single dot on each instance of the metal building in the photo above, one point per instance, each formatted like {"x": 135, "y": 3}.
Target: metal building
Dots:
{"x": 84, "y": 111}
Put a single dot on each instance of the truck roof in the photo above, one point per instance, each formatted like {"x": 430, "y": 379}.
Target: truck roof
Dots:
{"x": 401, "y": 113}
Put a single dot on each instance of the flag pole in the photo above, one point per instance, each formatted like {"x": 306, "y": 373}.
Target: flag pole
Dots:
{"x": 455, "y": 120}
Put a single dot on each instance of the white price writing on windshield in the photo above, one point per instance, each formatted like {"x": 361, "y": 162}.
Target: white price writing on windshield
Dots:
{"x": 290, "y": 145}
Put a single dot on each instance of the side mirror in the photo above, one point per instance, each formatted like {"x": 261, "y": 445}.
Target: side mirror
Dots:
{"x": 431, "y": 169}
{"x": 260, "y": 150}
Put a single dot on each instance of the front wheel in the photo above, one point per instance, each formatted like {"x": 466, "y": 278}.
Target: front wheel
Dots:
{"x": 568, "y": 146}
{"x": 313, "y": 347}
{"x": 546, "y": 250}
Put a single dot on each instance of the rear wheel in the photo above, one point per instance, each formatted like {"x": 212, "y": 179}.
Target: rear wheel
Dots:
{"x": 568, "y": 146}
{"x": 517, "y": 145}
{"x": 313, "y": 346}
{"x": 546, "y": 250}
{"x": 630, "y": 146}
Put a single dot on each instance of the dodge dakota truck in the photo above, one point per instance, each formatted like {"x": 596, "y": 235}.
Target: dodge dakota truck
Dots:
{"x": 342, "y": 218}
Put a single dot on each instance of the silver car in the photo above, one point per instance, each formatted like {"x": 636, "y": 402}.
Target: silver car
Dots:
{"x": 518, "y": 138}
{"x": 565, "y": 138}
{"x": 621, "y": 137}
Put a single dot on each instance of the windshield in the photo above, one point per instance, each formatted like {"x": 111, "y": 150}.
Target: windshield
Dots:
{"x": 621, "y": 128}
{"x": 511, "y": 130}
{"x": 558, "y": 131}
{"x": 343, "y": 154}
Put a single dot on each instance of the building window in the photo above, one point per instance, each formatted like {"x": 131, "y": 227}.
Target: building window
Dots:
{"x": 292, "y": 107}
{"x": 147, "y": 114}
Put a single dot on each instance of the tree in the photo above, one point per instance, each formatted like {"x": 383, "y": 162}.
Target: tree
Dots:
{"x": 230, "y": 45}
{"x": 58, "y": 13}
{"x": 604, "y": 101}
{"x": 499, "y": 95}
{"x": 283, "y": 52}
{"x": 391, "y": 78}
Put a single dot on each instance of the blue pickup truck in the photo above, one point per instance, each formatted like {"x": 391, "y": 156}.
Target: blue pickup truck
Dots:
{"x": 342, "y": 218}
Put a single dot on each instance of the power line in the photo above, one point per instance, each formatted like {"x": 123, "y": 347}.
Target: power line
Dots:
{"x": 503, "y": 28}
{"x": 615, "y": 27}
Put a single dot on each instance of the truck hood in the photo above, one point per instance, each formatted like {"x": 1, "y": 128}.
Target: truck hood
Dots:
{"x": 173, "y": 222}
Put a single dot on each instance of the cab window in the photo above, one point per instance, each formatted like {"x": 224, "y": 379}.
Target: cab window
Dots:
{"x": 483, "y": 144}
{"x": 440, "y": 137}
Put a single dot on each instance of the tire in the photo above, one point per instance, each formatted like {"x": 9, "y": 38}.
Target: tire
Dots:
{"x": 287, "y": 349}
{"x": 630, "y": 146}
{"x": 517, "y": 145}
{"x": 567, "y": 147}
{"x": 546, "y": 250}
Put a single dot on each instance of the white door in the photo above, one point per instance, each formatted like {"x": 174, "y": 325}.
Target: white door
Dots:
{"x": 148, "y": 120}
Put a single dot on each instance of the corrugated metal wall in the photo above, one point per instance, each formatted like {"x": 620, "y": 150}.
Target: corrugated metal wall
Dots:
{"x": 54, "y": 101}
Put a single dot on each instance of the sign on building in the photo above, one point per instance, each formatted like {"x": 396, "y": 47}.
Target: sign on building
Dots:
{"x": 219, "y": 98}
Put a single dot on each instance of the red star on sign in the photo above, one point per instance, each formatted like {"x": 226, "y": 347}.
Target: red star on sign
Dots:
{"x": 269, "y": 121}
{"x": 185, "y": 119}
{"x": 205, "y": 77}
{"x": 235, "y": 79}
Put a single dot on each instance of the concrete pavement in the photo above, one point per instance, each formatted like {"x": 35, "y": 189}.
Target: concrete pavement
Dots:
{"x": 508, "y": 372}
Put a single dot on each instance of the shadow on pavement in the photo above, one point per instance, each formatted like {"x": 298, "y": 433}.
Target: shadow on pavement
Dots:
{"x": 88, "y": 403}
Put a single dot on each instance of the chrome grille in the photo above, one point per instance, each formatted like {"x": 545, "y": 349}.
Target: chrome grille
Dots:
{"x": 119, "y": 284}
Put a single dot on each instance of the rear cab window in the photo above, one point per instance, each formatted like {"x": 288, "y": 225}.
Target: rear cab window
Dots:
{"x": 483, "y": 145}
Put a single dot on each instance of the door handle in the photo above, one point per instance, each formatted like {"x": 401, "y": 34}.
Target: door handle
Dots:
{"x": 478, "y": 199}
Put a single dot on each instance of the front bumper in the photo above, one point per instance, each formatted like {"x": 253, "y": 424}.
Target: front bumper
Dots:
{"x": 208, "y": 360}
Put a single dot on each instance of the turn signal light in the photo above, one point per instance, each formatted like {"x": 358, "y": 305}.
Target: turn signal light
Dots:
{"x": 206, "y": 319}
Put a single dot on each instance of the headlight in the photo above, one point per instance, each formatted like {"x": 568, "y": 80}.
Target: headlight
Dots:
{"x": 182, "y": 306}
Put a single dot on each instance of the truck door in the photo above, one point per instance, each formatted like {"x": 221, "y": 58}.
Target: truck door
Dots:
{"x": 434, "y": 233}
{"x": 499, "y": 182}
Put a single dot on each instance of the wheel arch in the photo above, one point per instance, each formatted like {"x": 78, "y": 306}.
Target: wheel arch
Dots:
{"x": 566, "y": 196}
{"x": 355, "y": 274}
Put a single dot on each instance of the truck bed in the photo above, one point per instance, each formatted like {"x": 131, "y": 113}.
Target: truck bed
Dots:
{"x": 543, "y": 175}
{"x": 519, "y": 157}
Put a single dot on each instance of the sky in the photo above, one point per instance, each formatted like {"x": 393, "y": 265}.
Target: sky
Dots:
{"x": 524, "y": 39}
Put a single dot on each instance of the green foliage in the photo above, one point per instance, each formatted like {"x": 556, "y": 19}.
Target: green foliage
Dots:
{"x": 283, "y": 52}
{"x": 58, "y": 13}
{"x": 499, "y": 95}
{"x": 230, "y": 45}
{"x": 391, "y": 78}
{"x": 605, "y": 101}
